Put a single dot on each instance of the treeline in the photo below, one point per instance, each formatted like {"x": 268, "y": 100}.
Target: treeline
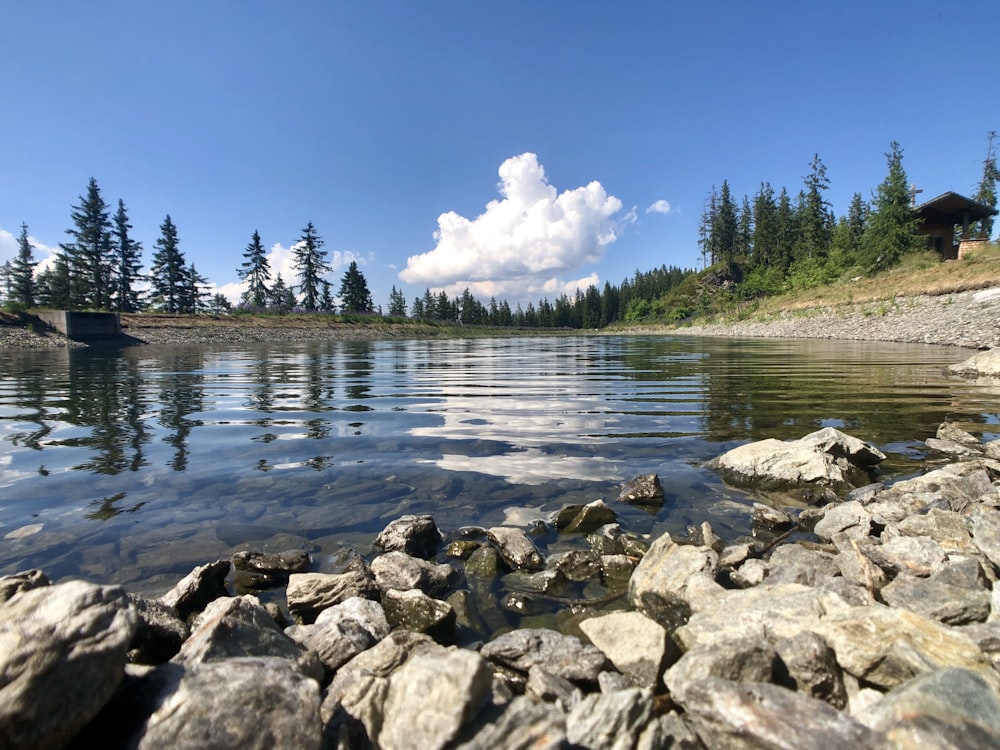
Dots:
{"x": 589, "y": 308}
{"x": 771, "y": 243}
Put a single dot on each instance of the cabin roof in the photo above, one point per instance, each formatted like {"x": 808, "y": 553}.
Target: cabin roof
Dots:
{"x": 952, "y": 208}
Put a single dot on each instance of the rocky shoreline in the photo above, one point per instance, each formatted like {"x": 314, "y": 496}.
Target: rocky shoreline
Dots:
{"x": 965, "y": 319}
{"x": 868, "y": 619}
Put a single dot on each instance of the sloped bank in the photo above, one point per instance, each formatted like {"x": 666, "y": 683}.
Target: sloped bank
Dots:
{"x": 872, "y": 620}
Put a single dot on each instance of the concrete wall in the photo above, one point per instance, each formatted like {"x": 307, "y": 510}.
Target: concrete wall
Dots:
{"x": 83, "y": 326}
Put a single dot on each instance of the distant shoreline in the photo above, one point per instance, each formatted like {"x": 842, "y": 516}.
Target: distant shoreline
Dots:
{"x": 965, "y": 319}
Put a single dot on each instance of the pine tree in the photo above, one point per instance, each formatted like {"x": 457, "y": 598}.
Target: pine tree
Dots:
{"x": 88, "y": 257}
{"x": 256, "y": 271}
{"x": 891, "y": 231}
{"x": 724, "y": 228}
{"x": 815, "y": 222}
{"x": 168, "y": 274}
{"x": 986, "y": 194}
{"x": 763, "y": 239}
{"x": 22, "y": 273}
{"x": 282, "y": 298}
{"x": 310, "y": 262}
{"x": 127, "y": 264}
{"x": 53, "y": 285}
{"x": 417, "y": 309}
{"x": 194, "y": 292}
{"x": 354, "y": 294}
{"x": 326, "y": 297}
{"x": 397, "y": 303}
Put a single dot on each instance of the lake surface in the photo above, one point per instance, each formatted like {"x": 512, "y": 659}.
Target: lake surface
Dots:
{"x": 135, "y": 465}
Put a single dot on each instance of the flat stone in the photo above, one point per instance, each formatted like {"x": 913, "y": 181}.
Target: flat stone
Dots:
{"x": 611, "y": 720}
{"x": 563, "y": 655}
{"x": 635, "y": 644}
{"x": 402, "y": 572}
{"x": 851, "y": 518}
{"x": 308, "y": 594}
{"x": 938, "y": 599}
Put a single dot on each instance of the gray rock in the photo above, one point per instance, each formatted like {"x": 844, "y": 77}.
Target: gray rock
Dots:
{"x": 857, "y": 567}
{"x": 985, "y": 528}
{"x": 642, "y": 490}
{"x": 610, "y": 720}
{"x": 946, "y": 527}
{"x": 984, "y": 363}
{"x": 751, "y": 659}
{"x": 954, "y": 708}
{"x": 770, "y": 611}
{"x": 255, "y": 570}
{"x": 769, "y": 518}
{"x": 638, "y": 647}
{"x": 590, "y": 517}
{"x": 938, "y": 599}
{"x": 751, "y": 573}
{"x": 794, "y": 563}
{"x": 244, "y": 702}
{"x": 728, "y": 714}
{"x": 23, "y": 581}
{"x": 812, "y": 669}
{"x": 734, "y": 555}
{"x": 616, "y": 571}
{"x": 160, "y": 632}
{"x": 516, "y": 548}
{"x": 236, "y": 627}
{"x": 483, "y": 564}
{"x": 951, "y": 431}
{"x": 885, "y": 646}
{"x": 576, "y": 565}
{"x": 308, "y": 594}
{"x": 608, "y": 539}
{"x": 403, "y": 572}
{"x": 674, "y": 572}
{"x": 525, "y": 724}
{"x": 551, "y": 688}
{"x": 432, "y": 698}
{"x": 561, "y": 654}
{"x": 416, "y": 535}
{"x": 198, "y": 588}
{"x": 343, "y": 631}
{"x": 824, "y": 457}
{"x": 918, "y": 556}
{"x": 947, "y": 488}
{"x": 414, "y": 610}
{"x": 62, "y": 654}
{"x": 851, "y": 518}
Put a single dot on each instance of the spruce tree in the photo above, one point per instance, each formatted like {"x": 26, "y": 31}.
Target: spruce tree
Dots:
{"x": 127, "y": 253}
{"x": 22, "y": 273}
{"x": 256, "y": 271}
{"x": 763, "y": 239}
{"x": 194, "y": 294}
{"x": 354, "y": 294}
{"x": 168, "y": 274}
{"x": 310, "y": 262}
{"x": 987, "y": 191}
{"x": 89, "y": 256}
{"x": 53, "y": 285}
{"x": 815, "y": 222}
{"x": 891, "y": 231}
{"x": 397, "y": 303}
{"x": 282, "y": 298}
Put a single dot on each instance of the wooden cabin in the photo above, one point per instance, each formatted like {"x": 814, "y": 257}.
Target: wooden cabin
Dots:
{"x": 946, "y": 222}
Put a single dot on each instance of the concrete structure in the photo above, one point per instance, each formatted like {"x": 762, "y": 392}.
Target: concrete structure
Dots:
{"x": 941, "y": 217}
{"x": 83, "y": 326}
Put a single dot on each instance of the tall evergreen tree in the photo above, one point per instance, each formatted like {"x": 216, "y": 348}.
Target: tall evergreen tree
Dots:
{"x": 282, "y": 298}
{"x": 89, "y": 256}
{"x": 354, "y": 294}
{"x": 310, "y": 262}
{"x": 53, "y": 285}
{"x": 326, "y": 297}
{"x": 397, "y": 303}
{"x": 725, "y": 229}
{"x": 763, "y": 239}
{"x": 987, "y": 191}
{"x": 22, "y": 273}
{"x": 786, "y": 233}
{"x": 891, "y": 231}
{"x": 127, "y": 264}
{"x": 194, "y": 292}
{"x": 256, "y": 271}
{"x": 168, "y": 274}
{"x": 815, "y": 222}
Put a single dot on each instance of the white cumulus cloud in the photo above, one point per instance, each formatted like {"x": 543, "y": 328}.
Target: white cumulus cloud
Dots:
{"x": 522, "y": 243}
{"x": 659, "y": 207}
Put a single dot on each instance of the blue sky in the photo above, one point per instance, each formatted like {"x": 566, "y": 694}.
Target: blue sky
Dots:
{"x": 388, "y": 125}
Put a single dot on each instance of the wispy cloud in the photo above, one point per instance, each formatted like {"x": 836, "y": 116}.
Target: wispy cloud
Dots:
{"x": 523, "y": 243}
{"x": 659, "y": 207}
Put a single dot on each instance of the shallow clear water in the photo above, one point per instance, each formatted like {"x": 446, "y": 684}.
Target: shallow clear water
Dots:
{"x": 135, "y": 465}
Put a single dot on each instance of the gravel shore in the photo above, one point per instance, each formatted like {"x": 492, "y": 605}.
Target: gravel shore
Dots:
{"x": 966, "y": 319}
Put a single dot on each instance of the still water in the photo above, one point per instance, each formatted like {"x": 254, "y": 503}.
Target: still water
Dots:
{"x": 134, "y": 465}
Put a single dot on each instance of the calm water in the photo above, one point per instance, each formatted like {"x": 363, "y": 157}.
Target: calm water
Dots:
{"x": 135, "y": 465}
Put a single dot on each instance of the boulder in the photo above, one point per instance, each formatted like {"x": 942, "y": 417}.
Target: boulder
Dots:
{"x": 563, "y": 655}
{"x": 62, "y": 655}
{"x": 826, "y": 457}
{"x": 738, "y": 715}
{"x": 308, "y": 594}
{"x": 197, "y": 589}
{"x": 984, "y": 363}
{"x": 638, "y": 647}
{"x": 416, "y": 535}
{"x": 432, "y": 698}
{"x": 402, "y": 572}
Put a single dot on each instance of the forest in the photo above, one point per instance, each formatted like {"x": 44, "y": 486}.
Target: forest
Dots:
{"x": 758, "y": 246}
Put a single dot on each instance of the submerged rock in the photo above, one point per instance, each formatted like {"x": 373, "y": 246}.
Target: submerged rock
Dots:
{"x": 642, "y": 490}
